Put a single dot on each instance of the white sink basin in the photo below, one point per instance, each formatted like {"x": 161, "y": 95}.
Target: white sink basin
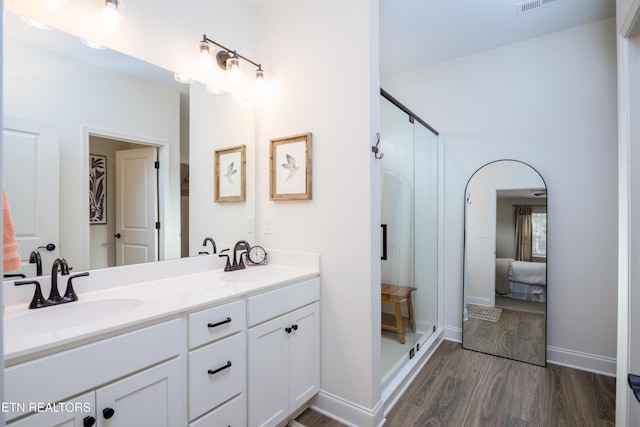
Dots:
{"x": 65, "y": 316}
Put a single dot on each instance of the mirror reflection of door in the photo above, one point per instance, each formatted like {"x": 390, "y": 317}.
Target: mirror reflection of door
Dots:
{"x": 30, "y": 177}
{"x": 128, "y": 235}
{"x": 505, "y": 262}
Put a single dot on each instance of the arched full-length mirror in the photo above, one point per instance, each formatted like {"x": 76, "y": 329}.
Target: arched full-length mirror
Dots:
{"x": 505, "y": 262}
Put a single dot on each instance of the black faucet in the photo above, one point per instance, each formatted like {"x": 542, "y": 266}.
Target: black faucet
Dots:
{"x": 239, "y": 264}
{"x": 204, "y": 243}
{"x": 35, "y": 258}
{"x": 54, "y": 295}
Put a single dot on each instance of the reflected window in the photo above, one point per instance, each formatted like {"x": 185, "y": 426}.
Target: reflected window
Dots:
{"x": 539, "y": 229}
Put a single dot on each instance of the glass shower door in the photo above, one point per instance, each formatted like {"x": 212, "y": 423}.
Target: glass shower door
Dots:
{"x": 409, "y": 225}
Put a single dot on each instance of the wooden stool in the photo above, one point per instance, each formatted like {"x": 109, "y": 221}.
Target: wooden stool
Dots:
{"x": 398, "y": 323}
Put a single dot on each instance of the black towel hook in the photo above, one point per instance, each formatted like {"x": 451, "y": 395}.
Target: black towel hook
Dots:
{"x": 375, "y": 148}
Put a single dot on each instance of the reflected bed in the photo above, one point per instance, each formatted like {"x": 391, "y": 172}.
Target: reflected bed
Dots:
{"x": 521, "y": 280}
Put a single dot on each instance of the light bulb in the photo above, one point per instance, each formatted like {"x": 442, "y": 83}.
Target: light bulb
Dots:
{"x": 233, "y": 67}
{"x": 205, "y": 58}
{"x": 111, "y": 14}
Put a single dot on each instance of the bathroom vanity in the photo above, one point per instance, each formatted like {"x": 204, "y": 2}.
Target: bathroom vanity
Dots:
{"x": 200, "y": 349}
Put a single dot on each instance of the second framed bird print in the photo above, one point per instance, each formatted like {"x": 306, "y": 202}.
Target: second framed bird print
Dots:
{"x": 230, "y": 174}
{"x": 290, "y": 168}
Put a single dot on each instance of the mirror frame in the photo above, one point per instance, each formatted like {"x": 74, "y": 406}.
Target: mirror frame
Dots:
{"x": 464, "y": 263}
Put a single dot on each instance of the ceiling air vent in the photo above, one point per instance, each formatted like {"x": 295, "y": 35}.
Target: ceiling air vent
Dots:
{"x": 531, "y": 5}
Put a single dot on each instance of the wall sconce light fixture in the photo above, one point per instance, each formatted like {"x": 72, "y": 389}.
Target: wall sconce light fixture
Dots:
{"x": 110, "y": 12}
{"x": 228, "y": 60}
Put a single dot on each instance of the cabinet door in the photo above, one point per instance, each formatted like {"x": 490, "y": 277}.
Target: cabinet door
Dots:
{"x": 304, "y": 355}
{"x": 153, "y": 397}
{"x": 268, "y": 373}
{"x": 79, "y": 412}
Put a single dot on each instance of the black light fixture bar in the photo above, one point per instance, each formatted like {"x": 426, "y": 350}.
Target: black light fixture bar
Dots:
{"x": 206, "y": 39}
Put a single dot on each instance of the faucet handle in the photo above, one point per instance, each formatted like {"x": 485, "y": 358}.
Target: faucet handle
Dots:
{"x": 38, "y": 300}
{"x": 70, "y": 294}
{"x": 227, "y": 266}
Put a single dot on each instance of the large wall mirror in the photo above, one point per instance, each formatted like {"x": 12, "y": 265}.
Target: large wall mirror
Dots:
{"x": 69, "y": 108}
{"x": 505, "y": 262}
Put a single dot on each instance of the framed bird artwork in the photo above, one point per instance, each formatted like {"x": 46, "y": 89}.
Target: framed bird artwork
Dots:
{"x": 290, "y": 168}
{"x": 230, "y": 174}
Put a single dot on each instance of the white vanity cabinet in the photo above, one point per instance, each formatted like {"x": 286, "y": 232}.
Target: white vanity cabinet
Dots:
{"x": 217, "y": 366}
{"x": 85, "y": 416}
{"x": 150, "y": 392}
{"x": 283, "y": 351}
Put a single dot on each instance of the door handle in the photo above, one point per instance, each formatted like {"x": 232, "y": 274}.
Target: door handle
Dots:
{"x": 117, "y": 235}
{"x": 49, "y": 247}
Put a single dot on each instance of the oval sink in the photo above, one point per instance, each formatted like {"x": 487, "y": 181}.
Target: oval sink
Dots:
{"x": 69, "y": 315}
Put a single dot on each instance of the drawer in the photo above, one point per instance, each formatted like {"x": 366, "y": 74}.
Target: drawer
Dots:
{"x": 214, "y": 323}
{"x": 217, "y": 373}
{"x": 58, "y": 376}
{"x": 232, "y": 414}
{"x": 272, "y": 304}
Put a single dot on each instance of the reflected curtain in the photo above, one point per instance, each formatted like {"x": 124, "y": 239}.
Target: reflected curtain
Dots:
{"x": 524, "y": 233}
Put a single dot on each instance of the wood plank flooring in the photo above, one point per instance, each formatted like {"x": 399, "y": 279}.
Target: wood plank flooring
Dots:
{"x": 463, "y": 388}
{"x": 518, "y": 335}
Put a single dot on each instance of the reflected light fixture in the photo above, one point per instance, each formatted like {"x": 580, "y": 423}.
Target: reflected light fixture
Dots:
{"x": 110, "y": 13}
{"x": 92, "y": 44}
{"x": 229, "y": 60}
{"x": 182, "y": 78}
{"x": 36, "y": 24}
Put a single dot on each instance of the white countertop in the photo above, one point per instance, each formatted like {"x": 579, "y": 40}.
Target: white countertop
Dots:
{"x": 105, "y": 311}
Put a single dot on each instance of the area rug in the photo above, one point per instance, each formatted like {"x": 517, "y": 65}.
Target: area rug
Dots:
{"x": 492, "y": 314}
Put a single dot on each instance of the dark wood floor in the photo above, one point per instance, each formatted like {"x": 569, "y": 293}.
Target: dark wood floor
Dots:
{"x": 518, "y": 335}
{"x": 465, "y": 388}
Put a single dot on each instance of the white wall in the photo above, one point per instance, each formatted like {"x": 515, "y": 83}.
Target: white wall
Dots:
{"x": 305, "y": 45}
{"x": 550, "y": 102}
{"x": 218, "y": 122}
{"x": 69, "y": 94}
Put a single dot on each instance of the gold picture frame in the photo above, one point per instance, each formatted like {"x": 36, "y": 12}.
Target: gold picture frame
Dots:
{"x": 290, "y": 168}
{"x": 230, "y": 175}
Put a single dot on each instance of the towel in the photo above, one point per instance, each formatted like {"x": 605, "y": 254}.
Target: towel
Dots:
{"x": 10, "y": 256}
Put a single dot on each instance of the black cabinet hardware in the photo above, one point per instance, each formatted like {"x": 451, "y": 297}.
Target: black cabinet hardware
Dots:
{"x": 213, "y": 325}
{"x": 108, "y": 412}
{"x": 88, "y": 421}
{"x": 222, "y": 368}
{"x": 117, "y": 235}
{"x": 634, "y": 383}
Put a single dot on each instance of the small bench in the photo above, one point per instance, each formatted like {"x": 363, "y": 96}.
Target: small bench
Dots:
{"x": 396, "y": 322}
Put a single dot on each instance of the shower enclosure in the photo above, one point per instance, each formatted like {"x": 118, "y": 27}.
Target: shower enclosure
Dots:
{"x": 409, "y": 173}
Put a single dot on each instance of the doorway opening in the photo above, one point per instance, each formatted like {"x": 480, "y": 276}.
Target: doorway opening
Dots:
{"x": 124, "y": 189}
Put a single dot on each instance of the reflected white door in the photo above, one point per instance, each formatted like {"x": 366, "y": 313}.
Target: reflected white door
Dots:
{"x": 30, "y": 176}
{"x": 136, "y": 206}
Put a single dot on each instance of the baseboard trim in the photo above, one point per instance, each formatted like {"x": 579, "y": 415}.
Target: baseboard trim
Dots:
{"x": 583, "y": 361}
{"x": 452, "y": 333}
{"x": 348, "y": 413}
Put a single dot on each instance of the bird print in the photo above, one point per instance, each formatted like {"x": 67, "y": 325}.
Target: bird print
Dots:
{"x": 291, "y": 167}
{"x": 230, "y": 172}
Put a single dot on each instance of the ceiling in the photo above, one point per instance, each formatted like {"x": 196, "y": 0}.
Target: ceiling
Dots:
{"x": 418, "y": 33}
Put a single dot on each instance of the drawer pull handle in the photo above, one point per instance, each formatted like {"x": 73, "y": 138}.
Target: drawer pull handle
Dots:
{"x": 88, "y": 421}
{"x": 213, "y": 325}
{"x": 222, "y": 368}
